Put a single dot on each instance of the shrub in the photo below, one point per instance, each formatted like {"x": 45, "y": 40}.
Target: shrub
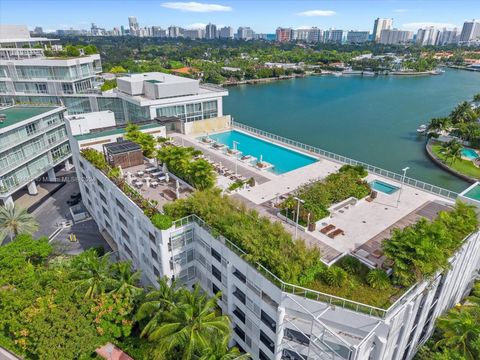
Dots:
{"x": 311, "y": 274}
{"x": 95, "y": 158}
{"x": 161, "y": 221}
{"x": 335, "y": 276}
{"x": 378, "y": 279}
{"x": 358, "y": 169}
{"x": 108, "y": 85}
{"x": 350, "y": 264}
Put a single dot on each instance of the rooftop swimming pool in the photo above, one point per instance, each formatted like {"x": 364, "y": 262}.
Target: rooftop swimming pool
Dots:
{"x": 282, "y": 158}
{"x": 469, "y": 153}
{"x": 383, "y": 187}
{"x": 473, "y": 193}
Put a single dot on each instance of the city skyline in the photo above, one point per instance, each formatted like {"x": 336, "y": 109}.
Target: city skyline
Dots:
{"x": 347, "y": 15}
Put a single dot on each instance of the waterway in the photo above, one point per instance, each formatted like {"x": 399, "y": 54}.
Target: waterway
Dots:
{"x": 371, "y": 119}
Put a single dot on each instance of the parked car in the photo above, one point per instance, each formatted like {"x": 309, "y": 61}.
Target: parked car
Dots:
{"x": 73, "y": 202}
{"x": 76, "y": 195}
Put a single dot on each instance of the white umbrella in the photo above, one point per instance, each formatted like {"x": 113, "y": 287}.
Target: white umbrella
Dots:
{"x": 147, "y": 182}
{"x": 129, "y": 177}
{"x": 261, "y": 157}
{"x": 164, "y": 168}
{"x": 177, "y": 188}
{"x": 167, "y": 178}
{"x": 120, "y": 170}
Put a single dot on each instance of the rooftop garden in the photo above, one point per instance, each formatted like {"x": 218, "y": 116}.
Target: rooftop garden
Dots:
{"x": 318, "y": 196}
{"x": 71, "y": 51}
{"x": 417, "y": 251}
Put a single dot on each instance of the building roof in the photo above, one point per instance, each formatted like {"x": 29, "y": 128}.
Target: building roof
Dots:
{"x": 16, "y": 114}
{"x": 122, "y": 147}
{"x": 112, "y": 352}
{"x": 112, "y": 131}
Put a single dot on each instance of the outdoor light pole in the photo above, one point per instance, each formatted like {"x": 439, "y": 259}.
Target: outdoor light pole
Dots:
{"x": 235, "y": 143}
{"x": 401, "y": 184}
{"x": 298, "y": 211}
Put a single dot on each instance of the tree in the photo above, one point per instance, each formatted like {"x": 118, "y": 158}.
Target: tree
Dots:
{"x": 108, "y": 85}
{"x": 92, "y": 274}
{"x": 126, "y": 281}
{"x": 15, "y": 221}
{"x": 452, "y": 150}
{"x": 118, "y": 69}
{"x": 463, "y": 113}
{"x": 438, "y": 124}
{"x": 146, "y": 141}
{"x": 190, "y": 327}
{"x": 476, "y": 97}
{"x": 335, "y": 276}
{"x": 72, "y": 51}
{"x": 460, "y": 331}
{"x": 219, "y": 350}
{"x": 201, "y": 174}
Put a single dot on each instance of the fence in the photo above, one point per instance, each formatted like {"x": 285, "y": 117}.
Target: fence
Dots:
{"x": 345, "y": 160}
{"x": 284, "y": 286}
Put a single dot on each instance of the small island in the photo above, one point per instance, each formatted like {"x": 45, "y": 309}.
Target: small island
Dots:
{"x": 454, "y": 141}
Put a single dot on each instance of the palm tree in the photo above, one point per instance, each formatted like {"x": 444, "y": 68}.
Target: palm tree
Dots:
{"x": 438, "y": 124}
{"x": 201, "y": 174}
{"x": 453, "y": 150}
{"x": 378, "y": 279}
{"x": 463, "y": 113}
{"x": 93, "y": 273}
{"x": 219, "y": 350}
{"x": 126, "y": 280}
{"x": 15, "y": 221}
{"x": 460, "y": 329}
{"x": 190, "y": 327}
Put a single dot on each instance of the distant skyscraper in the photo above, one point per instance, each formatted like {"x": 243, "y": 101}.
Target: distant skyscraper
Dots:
{"x": 245, "y": 33}
{"x": 157, "y": 31}
{"x": 133, "y": 25}
{"x": 333, "y": 36}
{"x": 226, "y": 32}
{"x": 122, "y": 30}
{"x": 38, "y": 30}
{"x": 470, "y": 31}
{"x": 193, "y": 34}
{"x": 174, "y": 31}
{"x": 448, "y": 37}
{"x": 428, "y": 36}
{"x": 210, "y": 31}
{"x": 357, "y": 37}
{"x": 379, "y": 25}
{"x": 394, "y": 36}
{"x": 284, "y": 34}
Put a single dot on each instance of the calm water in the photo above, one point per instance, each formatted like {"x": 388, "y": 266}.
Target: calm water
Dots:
{"x": 282, "y": 159}
{"x": 372, "y": 119}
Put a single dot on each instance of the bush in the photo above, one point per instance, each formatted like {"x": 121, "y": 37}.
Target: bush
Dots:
{"x": 108, "y": 85}
{"x": 378, "y": 279}
{"x": 161, "y": 221}
{"x": 358, "y": 169}
{"x": 350, "y": 264}
{"x": 335, "y": 276}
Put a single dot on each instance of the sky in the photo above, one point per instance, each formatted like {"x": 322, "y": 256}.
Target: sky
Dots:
{"x": 263, "y": 16}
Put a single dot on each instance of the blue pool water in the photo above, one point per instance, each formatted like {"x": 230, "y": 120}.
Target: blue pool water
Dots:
{"x": 469, "y": 153}
{"x": 383, "y": 187}
{"x": 474, "y": 193}
{"x": 283, "y": 159}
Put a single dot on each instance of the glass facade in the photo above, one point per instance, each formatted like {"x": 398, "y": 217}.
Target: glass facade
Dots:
{"x": 115, "y": 105}
{"x": 77, "y": 105}
{"x": 137, "y": 113}
{"x": 191, "y": 112}
{"x": 55, "y": 72}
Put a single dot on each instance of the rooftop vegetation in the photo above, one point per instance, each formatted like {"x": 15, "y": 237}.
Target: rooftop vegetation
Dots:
{"x": 418, "y": 251}
{"x": 64, "y": 307}
{"x": 318, "y": 196}
{"x": 97, "y": 159}
{"x": 71, "y": 51}
{"x": 109, "y": 85}
{"x": 450, "y": 154}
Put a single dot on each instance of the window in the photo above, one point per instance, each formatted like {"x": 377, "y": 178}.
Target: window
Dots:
{"x": 267, "y": 320}
{"x": 262, "y": 355}
{"x": 31, "y": 129}
{"x": 216, "y": 255}
{"x": 239, "y": 295}
{"x": 120, "y": 205}
{"x": 239, "y": 276}
{"x": 67, "y": 88}
{"x": 210, "y": 109}
{"x": 103, "y": 198}
{"x": 267, "y": 341}
{"x": 296, "y": 336}
{"x": 100, "y": 184}
{"x": 239, "y": 332}
{"x": 122, "y": 220}
{"x": 239, "y": 314}
{"x": 155, "y": 271}
{"x": 151, "y": 237}
{"x": 216, "y": 273}
{"x": 154, "y": 254}
{"x": 215, "y": 289}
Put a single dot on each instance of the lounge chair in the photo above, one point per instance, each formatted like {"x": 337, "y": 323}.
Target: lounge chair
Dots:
{"x": 327, "y": 229}
{"x": 335, "y": 233}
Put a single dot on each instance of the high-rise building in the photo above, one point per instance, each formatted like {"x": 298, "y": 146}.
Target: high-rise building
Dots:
{"x": 157, "y": 31}
{"x": 174, "y": 31}
{"x": 379, "y": 25}
{"x": 470, "y": 31}
{"x": 133, "y": 25}
{"x": 193, "y": 34}
{"x": 284, "y": 34}
{"x": 395, "y": 37}
{"x": 226, "y": 32}
{"x": 38, "y": 30}
{"x": 211, "y": 31}
{"x": 427, "y": 36}
{"x": 448, "y": 36}
{"x": 333, "y": 36}
{"x": 245, "y": 33}
{"x": 122, "y": 30}
{"x": 357, "y": 37}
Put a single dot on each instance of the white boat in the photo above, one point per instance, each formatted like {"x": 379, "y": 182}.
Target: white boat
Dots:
{"x": 421, "y": 129}
{"x": 368, "y": 73}
{"x": 352, "y": 72}
{"x": 337, "y": 73}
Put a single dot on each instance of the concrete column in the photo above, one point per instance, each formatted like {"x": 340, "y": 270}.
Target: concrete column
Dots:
{"x": 68, "y": 165}
{"x": 279, "y": 334}
{"x": 51, "y": 175}
{"x": 32, "y": 188}
{"x": 8, "y": 201}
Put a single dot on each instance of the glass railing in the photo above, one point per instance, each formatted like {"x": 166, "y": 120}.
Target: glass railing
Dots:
{"x": 345, "y": 160}
{"x": 25, "y": 138}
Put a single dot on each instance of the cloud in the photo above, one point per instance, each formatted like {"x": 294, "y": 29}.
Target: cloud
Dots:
{"x": 317, "y": 13}
{"x": 195, "y": 26}
{"x": 195, "y": 7}
{"x": 400, "y": 10}
{"x": 422, "y": 25}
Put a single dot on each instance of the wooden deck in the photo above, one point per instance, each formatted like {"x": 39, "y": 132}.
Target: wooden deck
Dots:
{"x": 373, "y": 247}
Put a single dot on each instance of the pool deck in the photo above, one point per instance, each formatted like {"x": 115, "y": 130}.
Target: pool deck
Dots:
{"x": 362, "y": 223}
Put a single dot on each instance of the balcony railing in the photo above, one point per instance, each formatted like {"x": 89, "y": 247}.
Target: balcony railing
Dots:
{"x": 345, "y": 160}
{"x": 30, "y": 136}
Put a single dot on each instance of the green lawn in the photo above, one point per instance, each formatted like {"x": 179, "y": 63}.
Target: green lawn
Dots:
{"x": 465, "y": 167}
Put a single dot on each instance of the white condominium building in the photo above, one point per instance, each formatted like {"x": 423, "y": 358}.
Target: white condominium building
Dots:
{"x": 395, "y": 37}
{"x": 427, "y": 36}
{"x": 272, "y": 319}
{"x": 379, "y": 25}
{"x": 470, "y": 31}
{"x": 33, "y": 140}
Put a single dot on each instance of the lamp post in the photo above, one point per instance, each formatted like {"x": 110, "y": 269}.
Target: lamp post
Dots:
{"x": 401, "y": 184}
{"x": 235, "y": 143}
{"x": 298, "y": 211}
